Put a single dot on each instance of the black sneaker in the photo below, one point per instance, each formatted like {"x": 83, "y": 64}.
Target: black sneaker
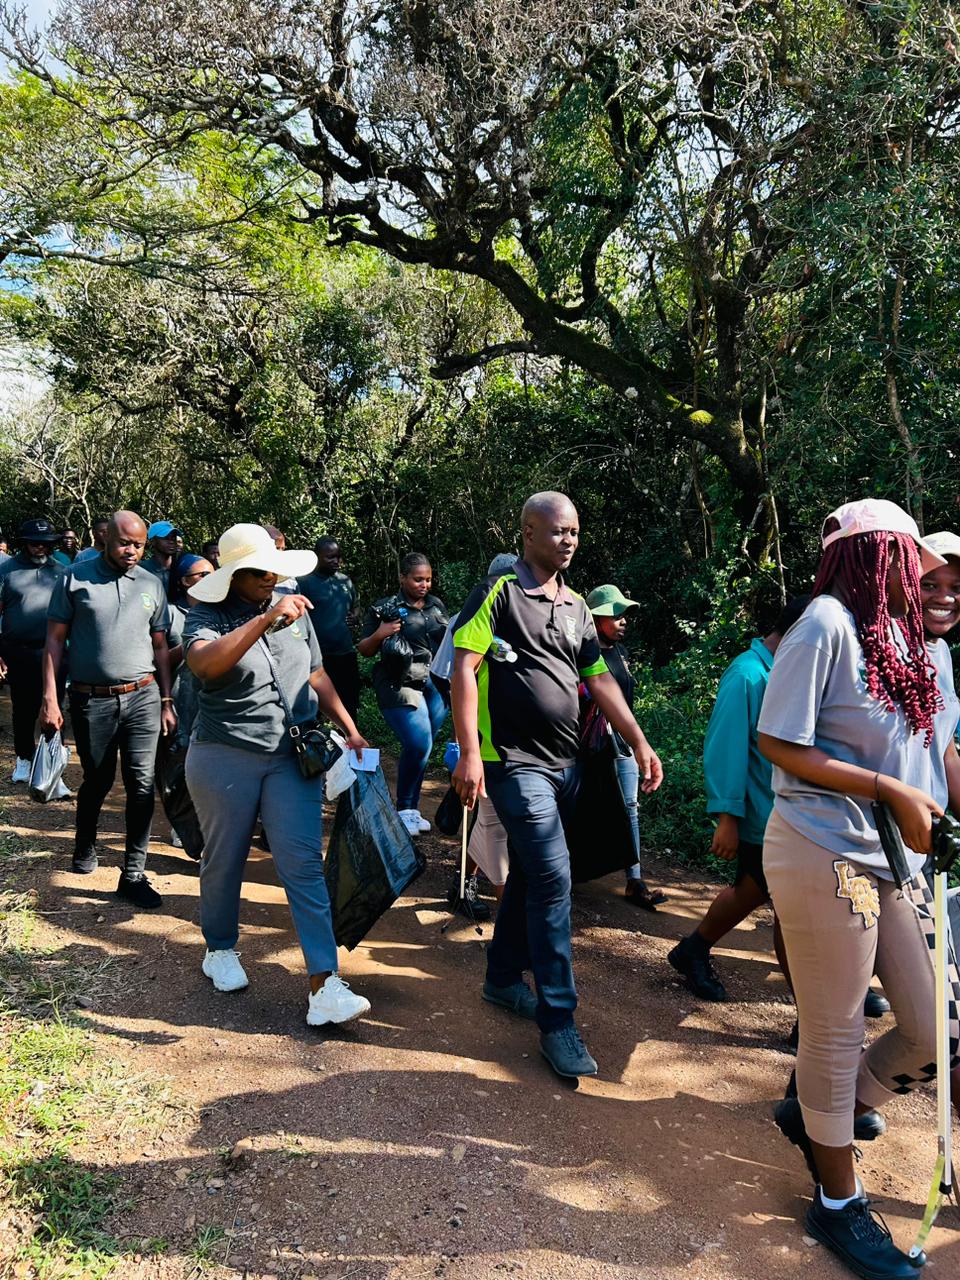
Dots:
{"x": 138, "y": 890}
{"x": 860, "y": 1239}
{"x": 85, "y": 861}
{"x": 789, "y": 1120}
{"x": 470, "y": 905}
{"x": 876, "y": 1004}
{"x": 692, "y": 958}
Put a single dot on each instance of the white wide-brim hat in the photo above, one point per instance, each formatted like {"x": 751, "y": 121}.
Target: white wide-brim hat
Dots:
{"x": 249, "y": 546}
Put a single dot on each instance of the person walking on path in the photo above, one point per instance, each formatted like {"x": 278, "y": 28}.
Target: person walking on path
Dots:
{"x": 27, "y": 582}
{"x": 409, "y": 701}
{"x": 66, "y": 550}
{"x": 334, "y": 600}
{"x": 737, "y": 781}
{"x": 114, "y": 614}
{"x": 255, "y": 654}
{"x": 518, "y": 728}
{"x": 611, "y": 612}
{"x": 98, "y": 532}
{"x": 852, "y": 715}
{"x": 164, "y": 555}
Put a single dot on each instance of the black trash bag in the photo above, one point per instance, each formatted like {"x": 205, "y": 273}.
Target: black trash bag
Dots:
{"x": 370, "y": 859}
{"x": 599, "y": 837}
{"x": 396, "y": 657}
{"x": 174, "y": 796}
{"x": 449, "y": 815}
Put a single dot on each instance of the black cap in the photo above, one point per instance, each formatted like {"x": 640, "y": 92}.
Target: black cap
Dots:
{"x": 38, "y": 530}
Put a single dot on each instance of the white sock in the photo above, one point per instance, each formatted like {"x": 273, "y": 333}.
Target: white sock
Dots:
{"x": 835, "y": 1205}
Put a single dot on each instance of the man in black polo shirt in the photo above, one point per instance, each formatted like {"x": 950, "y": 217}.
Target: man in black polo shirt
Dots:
{"x": 26, "y": 585}
{"x": 518, "y": 728}
{"x": 334, "y": 600}
{"x": 115, "y": 615}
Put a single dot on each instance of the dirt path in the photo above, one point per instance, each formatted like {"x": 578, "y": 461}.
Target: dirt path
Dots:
{"x": 431, "y": 1139}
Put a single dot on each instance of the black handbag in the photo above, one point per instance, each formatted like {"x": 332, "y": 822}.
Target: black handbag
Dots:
{"x": 314, "y": 747}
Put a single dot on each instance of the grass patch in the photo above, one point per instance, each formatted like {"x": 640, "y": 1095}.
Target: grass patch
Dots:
{"x": 57, "y": 1089}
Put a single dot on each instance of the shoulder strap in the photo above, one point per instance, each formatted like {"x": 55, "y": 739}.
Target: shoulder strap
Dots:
{"x": 275, "y": 677}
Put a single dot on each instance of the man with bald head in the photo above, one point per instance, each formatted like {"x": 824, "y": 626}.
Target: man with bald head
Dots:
{"x": 518, "y": 728}
{"x": 114, "y": 613}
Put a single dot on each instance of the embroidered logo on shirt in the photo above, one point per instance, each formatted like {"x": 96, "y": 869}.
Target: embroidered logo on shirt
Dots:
{"x": 571, "y": 624}
{"x": 294, "y": 629}
{"x": 862, "y": 895}
{"x": 146, "y": 600}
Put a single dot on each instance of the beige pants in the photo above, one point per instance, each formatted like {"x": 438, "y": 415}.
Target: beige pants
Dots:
{"x": 488, "y": 843}
{"x": 841, "y": 924}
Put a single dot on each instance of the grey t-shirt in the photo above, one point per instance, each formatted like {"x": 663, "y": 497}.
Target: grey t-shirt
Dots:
{"x": 242, "y": 707}
{"x": 817, "y": 696}
{"x": 332, "y": 595}
{"x": 25, "y": 592}
{"x": 112, "y": 617}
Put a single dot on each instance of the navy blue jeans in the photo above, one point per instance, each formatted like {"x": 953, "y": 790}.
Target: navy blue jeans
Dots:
{"x": 533, "y": 920}
{"x": 416, "y": 727}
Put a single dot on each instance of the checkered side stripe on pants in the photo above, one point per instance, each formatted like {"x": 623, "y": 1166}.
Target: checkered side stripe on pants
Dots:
{"x": 919, "y": 893}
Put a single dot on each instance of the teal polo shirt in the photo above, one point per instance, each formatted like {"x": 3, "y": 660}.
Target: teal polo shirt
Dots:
{"x": 737, "y": 778}
{"x": 25, "y": 593}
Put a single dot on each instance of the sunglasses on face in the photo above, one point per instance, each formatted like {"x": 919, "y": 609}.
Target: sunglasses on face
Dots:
{"x": 260, "y": 573}
{"x": 203, "y": 573}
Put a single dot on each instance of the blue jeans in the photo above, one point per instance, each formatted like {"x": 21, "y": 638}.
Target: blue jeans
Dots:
{"x": 416, "y": 727}
{"x": 628, "y": 773}
{"x": 533, "y": 920}
{"x": 230, "y": 789}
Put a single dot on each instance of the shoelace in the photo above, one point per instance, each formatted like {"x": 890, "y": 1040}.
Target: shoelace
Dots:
{"x": 867, "y": 1224}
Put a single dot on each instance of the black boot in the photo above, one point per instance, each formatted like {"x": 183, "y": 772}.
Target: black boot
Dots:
{"x": 691, "y": 957}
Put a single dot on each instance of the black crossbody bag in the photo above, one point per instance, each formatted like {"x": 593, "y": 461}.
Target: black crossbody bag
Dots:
{"x": 314, "y": 748}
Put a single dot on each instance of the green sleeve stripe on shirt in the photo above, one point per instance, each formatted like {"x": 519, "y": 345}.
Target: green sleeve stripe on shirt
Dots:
{"x": 476, "y": 634}
{"x": 484, "y": 725}
{"x": 598, "y": 668}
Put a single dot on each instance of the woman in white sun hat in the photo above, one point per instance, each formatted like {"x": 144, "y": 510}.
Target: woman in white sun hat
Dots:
{"x": 253, "y": 650}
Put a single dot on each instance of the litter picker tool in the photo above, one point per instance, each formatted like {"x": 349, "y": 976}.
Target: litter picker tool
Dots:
{"x": 946, "y": 847}
{"x": 465, "y": 829}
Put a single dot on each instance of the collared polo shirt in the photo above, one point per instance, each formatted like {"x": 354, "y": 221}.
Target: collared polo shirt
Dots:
{"x": 242, "y": 708}
{"x": 25, "y": 592}
{"x": 529, "y": 710}
{"x": 112, "y": 616}
{"x": 737, "y": 778}
{"x": 332, "y": 595}
{"x": 157, "y": 570}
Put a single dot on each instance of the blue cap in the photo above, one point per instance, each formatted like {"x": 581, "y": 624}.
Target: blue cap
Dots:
{"x": 162, "y": 529}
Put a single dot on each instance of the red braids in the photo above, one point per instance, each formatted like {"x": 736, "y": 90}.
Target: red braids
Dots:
{"x": 855, "y": 569}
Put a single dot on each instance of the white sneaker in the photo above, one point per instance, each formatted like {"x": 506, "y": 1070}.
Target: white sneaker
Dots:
{"x": 225, "y": 971}
{"x": 411, "y": 821}
{"x": 21, "y": 772}
{"x": 335, "y": 1002}
{"x": 424, "y": 824}
{"x": 62, "y": 791}
{"x": 175, "y": 840}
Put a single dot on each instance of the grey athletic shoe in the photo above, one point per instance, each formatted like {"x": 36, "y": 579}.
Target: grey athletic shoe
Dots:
{"x": 567, "y": 1053}
{"x": 518, "y": 998}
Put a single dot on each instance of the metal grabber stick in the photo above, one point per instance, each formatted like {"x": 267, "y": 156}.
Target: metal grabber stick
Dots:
{"x": 942, "y": 1183}
{"x": 946, "y": 848}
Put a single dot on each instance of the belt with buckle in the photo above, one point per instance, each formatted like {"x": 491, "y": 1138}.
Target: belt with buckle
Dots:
{"x": 111, "y": 690}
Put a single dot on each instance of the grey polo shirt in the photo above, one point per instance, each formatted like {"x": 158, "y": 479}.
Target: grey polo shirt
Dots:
{"x": 332, "y": 595}
{"x": 817, "y": 696}
{"x": 112, "y": 617}
{"x": 242, "y": 708}
{"x": 25, "y": 592}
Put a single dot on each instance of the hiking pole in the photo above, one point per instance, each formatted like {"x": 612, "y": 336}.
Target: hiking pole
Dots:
{"x": 946, "y": 846}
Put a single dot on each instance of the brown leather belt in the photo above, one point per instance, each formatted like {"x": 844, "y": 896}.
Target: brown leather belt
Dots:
{"x": 111, "y": 690}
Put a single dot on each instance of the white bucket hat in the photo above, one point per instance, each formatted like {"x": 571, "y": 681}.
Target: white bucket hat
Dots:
{"x": 249, "y": 546}
{"x": 944, "y": 544}
{"x": 876, "y": 515}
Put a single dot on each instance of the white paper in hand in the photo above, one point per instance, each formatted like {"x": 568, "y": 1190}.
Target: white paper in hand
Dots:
{"x": 367, "y": 760}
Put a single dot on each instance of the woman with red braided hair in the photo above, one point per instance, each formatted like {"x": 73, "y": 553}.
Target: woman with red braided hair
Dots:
{"x": 850, "y": 715}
